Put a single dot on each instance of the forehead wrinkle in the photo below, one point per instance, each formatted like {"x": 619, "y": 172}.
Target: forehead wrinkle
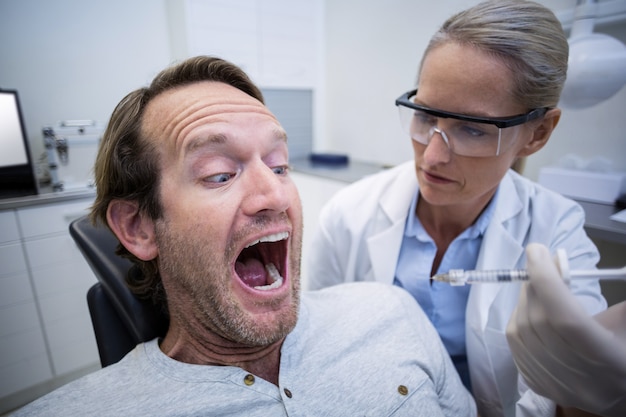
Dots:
{"x": 171, "y": 108}
{"x": 197, "y": 111}
{"x": 164, "y": 116}
{"x": 206, "y": 117}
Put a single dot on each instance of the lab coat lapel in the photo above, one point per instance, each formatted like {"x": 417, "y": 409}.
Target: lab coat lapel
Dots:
{"x": 384, "y": 244}
{"x": 500, "y": 249}
{"x": 489, "y": 305}
{"x": 503, "y": 254}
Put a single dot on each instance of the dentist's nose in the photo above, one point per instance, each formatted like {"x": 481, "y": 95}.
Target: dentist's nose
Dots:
{"x": 266, "y": 190}
{"x": 438, "y": 149}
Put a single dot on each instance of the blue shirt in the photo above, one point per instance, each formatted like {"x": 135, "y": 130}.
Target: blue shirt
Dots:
{"x": 443, "y": 303}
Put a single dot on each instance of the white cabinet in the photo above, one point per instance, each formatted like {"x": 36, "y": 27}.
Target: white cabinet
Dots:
{"x": 45, "y": 327}
{"x": 314, "y": 192}
{"x": 61, "y": 278}
{"x": 23, "y": 355}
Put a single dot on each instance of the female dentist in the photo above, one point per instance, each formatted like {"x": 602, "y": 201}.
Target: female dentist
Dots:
{"x": 488, "y": 88}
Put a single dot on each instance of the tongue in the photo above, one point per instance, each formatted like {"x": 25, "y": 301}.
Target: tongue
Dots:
{"x": 252, "y": 272}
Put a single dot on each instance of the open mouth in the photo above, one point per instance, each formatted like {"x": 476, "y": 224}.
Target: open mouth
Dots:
{"x": 261, "y": 265}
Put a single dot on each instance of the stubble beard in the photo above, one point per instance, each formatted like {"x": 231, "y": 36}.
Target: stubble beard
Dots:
{"x": 198, "y": 289}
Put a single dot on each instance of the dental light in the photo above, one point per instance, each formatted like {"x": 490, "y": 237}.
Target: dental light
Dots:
{"x": 597, "y": 62}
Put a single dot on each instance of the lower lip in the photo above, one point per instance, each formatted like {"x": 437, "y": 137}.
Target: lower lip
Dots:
{"x": 259, "y": 301}
{"x": 434, "y": 179}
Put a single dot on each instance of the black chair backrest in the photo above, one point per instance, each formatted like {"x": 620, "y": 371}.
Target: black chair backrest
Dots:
{"x": 120, "y": 319}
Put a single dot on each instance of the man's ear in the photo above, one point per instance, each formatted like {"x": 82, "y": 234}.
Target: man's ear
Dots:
{"x": 541, "y": 132}
{"x": 134, "y": 229}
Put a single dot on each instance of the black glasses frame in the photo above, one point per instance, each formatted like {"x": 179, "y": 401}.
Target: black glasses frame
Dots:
{"x": 501, "y": 122}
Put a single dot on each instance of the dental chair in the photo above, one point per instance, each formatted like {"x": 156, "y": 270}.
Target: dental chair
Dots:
{"x": 120, "y": 320}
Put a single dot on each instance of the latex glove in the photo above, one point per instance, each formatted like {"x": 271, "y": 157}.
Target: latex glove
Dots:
{"x": 563, "y": 353}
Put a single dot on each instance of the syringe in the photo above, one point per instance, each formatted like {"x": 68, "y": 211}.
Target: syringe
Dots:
{"x": 462, "y": 277}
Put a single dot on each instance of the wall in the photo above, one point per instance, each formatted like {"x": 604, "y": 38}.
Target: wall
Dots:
{"x": 73, "y": 60}
{"x": 374, "y": 61}
{"x": 70, "y": 61}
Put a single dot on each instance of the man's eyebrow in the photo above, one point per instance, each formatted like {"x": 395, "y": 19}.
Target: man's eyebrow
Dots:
{"x": 199, "y": 142}
{"x": 220, "y": 139}
{"x": 280, "y": 133}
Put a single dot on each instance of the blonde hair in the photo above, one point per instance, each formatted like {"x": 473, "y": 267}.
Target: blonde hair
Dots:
{"x": 525, "y": 35}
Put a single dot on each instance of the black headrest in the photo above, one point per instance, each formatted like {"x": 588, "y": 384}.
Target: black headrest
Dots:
{"x": 144, "y": 320}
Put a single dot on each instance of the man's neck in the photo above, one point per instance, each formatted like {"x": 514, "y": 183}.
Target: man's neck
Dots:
{"x": 261, "y": 361}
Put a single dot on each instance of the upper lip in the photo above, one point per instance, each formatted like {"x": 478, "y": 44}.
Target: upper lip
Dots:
{"x": 278, "y": 256}
{"x": 434, "y": 174}
{"x": 272, "y": 237}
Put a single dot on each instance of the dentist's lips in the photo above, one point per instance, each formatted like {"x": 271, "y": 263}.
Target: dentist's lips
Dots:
{"x": 262, "y": 264}
{"x": 432, "y": 177}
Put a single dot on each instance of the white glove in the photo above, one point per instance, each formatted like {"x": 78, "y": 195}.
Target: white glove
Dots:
{"x": 563, "y": 353}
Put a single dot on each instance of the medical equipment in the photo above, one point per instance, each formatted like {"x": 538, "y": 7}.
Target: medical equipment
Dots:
{"x": 71, "y": 148}
{"x": 597, "y": 62}
{"x": 462, "y": 277}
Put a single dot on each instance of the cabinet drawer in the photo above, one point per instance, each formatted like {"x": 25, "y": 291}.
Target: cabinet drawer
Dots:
{"x": 23, "y": 355}
{"x": 52, "y": 250}
{"x": 18, "y": 318}
{"x": 8, "y": 226}
{"x": 24, "y": 374}
{"x": 12, "y": 259}
{"x": 65, "y": 305}
{"x": 72, "y": 344}
{"x": 51, "y": 218}
{"x": 61, "y": 277}
{"x": 19, "y": 346}
{"x": 15, "y": 289}
{"x": 75, "y": 356}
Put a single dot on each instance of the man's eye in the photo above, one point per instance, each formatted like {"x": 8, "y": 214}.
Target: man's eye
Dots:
{"x": 219, "y": 178}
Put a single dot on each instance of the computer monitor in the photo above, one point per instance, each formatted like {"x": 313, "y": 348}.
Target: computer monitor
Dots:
{"x": 17, "y": 177}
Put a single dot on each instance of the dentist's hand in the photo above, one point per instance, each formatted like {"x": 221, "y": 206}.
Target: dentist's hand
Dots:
{"x": 563, "y": 353}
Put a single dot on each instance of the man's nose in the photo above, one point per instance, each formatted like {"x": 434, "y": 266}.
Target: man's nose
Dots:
{"x": 266, "y": 190}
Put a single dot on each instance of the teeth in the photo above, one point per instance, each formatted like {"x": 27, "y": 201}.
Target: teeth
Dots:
{"x": 270, "y": 238}
{"x": 275, "y": 275}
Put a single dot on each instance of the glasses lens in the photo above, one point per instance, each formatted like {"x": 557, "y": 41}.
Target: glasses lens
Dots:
{"x": 417, "y": 124}
{"x": 464, "y": 138}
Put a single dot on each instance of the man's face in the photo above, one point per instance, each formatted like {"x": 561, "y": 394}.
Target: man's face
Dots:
{"x": 229, "y": 240}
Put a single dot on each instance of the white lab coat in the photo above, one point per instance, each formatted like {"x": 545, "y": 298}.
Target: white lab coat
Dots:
{"x": 359, "y": 237}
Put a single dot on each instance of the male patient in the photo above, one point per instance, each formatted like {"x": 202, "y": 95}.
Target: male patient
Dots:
{"x": 192, "y": 176}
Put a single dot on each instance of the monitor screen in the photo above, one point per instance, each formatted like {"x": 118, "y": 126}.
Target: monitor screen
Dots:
{"x": 17, "y": 177}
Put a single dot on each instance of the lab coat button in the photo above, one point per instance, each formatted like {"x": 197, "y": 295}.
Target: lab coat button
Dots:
{"x": 287, "y": 393}
{"x": 403, "y": 390}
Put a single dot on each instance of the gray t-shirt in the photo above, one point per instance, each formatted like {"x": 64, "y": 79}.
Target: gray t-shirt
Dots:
{"x": 360, "y": 349}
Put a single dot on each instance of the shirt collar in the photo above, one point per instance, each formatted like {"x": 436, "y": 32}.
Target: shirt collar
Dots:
{"x": 414, "y": 227}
